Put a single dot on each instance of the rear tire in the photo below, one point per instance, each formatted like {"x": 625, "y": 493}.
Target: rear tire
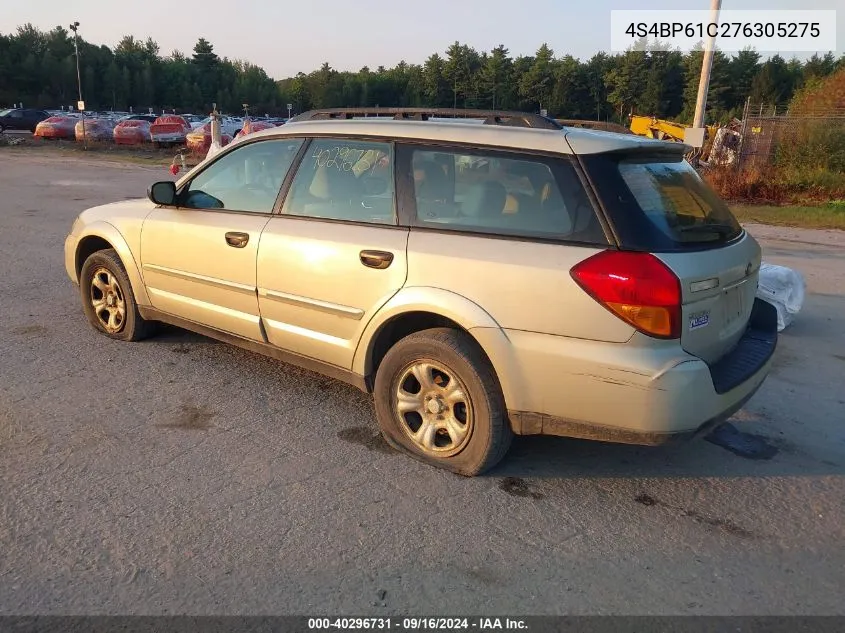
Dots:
{"x": 438, "y": 400}
{"x": 108, "y": 300}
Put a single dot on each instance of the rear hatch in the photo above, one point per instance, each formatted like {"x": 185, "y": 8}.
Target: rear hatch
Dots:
{"x": 657, "y": 203}
{"x": 169, "y": 125}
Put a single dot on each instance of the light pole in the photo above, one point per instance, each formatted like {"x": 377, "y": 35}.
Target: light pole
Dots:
{"x": 81, "y": 104}
{"x": 706, "y": 65}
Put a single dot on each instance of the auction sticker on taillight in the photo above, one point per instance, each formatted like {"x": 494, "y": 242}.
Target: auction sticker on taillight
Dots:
{"x": 699, "y": 320}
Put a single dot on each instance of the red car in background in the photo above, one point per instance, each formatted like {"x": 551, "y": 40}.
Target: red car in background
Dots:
{"x": 94, "y": 129}
{"x": 251, "y": 126}
{"x": 199, "y": 140}
{"x": 132, "y": 132}
{"x": 169, "y": 129}
{"x": 57, "y": 127}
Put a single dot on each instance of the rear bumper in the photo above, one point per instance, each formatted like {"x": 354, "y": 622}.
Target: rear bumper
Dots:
{"x": 752, "y": 351}
{"x": 167, "y": 137}
{"x": 524, "y": 423}
{"x": 641, "y": 392}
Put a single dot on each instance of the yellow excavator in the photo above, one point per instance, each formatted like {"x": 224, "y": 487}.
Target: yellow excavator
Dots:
{"x": 652, "y": 127}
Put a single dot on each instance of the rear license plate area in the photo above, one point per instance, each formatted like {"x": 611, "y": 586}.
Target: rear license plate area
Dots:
{"x": 733, "y": 302}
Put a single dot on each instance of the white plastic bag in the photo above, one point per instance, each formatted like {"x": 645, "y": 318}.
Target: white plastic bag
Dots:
{"x": 784, "y": 288}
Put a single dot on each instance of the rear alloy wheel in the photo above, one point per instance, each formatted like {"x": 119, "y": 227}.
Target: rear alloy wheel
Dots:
{"x": 107, "y": 298}
{"x": 433, "y": 408}
{"x": 438, "y": 399}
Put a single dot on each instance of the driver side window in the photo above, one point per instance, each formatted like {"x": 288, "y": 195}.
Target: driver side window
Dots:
{"x": 245, "y": 179}
{"x": 344, "y": 179}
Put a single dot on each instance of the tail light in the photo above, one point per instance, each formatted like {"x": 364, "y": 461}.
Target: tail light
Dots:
{"x": 636, "y": 287}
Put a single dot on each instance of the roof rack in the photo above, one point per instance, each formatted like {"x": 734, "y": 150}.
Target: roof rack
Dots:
{"x": 603, "y": 126}
{"x": 491, "y": 117}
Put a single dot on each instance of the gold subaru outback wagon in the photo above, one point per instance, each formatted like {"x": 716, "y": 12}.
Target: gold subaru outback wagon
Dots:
{"x": 483, "y": 276}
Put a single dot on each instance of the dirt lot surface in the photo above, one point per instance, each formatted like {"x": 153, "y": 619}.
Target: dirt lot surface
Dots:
{"x": 181, "y": 475}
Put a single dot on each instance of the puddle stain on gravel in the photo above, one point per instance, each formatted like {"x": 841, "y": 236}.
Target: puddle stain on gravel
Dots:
{"x": 30, "y": 329}
{"x": 482, "y": 575}
{"x": 191, "y": 418}
{"x": 723, "y": 524}
{"x": 517, "y": 487}
{"x": 364, "y": 436}
{"x": 181, "y": 349}
{"x": 745, "y": 445}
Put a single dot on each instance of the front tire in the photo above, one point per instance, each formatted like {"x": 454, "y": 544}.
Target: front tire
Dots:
{"x": 438, "y": 400}
{"x": 107, "y": 298}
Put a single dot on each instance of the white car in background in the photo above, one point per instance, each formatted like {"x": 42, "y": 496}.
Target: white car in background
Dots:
{"x": 195, "y": 120}
{"x": 228, "y": 124}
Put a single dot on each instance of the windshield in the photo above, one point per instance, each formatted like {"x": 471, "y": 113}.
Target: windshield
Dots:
{"x": 5, "y": 112}
{"x": 661, "y": 203}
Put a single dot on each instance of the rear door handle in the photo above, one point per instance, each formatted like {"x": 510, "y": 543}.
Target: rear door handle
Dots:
{"x": 376, "y": 259}
{"x": 237, "y": 240}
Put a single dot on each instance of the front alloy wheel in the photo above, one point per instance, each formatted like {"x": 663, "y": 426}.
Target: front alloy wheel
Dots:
{"x": 107, "y": 301}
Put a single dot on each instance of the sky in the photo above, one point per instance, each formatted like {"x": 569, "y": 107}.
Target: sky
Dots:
{"x": 286, "y": 37}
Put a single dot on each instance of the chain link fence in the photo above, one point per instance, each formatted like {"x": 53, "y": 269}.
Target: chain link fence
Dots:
{"x": 765, "y": 128}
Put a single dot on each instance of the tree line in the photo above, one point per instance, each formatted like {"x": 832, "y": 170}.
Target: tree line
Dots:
{"x": 39, "y": 69}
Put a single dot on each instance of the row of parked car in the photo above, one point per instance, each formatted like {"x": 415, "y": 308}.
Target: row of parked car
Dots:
{"x": 131, "y": 129}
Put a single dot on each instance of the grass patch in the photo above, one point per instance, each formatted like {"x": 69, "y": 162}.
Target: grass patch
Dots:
{"x": 828, "y": 216}
{"x": 771, "y": 185}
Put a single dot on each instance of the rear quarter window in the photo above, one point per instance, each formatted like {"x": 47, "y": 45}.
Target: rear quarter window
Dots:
{"x": 500, "y": 192}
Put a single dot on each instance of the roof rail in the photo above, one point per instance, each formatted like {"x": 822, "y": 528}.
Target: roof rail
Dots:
{"x": 603, "y": 126}
{"x": 491, "y": 117}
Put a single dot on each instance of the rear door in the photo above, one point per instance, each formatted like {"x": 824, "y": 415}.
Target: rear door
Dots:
{"x": 659, "y": 203}
{"x": 336, "y": 253}
{"x": 16, "y": 120}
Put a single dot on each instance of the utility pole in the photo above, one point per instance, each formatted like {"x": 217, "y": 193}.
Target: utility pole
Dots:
{"x": 706, "y": 65}
{"x": 81, "y": 104}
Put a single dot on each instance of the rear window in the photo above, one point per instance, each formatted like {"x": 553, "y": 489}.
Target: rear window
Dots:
{"x": 660, "y": 203}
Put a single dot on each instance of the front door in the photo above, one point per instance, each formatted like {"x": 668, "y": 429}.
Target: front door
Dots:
{"x": 335, "y": 255}
{"x": 198, "y": 258}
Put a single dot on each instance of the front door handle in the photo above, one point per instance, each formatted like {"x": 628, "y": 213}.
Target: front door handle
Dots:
{"x": 376, "y": 259}
{"x": 238, "y": 240}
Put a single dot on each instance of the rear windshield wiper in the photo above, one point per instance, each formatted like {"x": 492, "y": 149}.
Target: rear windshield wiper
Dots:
{"x": 722, "y": 229}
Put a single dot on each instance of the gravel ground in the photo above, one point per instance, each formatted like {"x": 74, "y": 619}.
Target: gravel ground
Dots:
{"x": 182, "y": 475}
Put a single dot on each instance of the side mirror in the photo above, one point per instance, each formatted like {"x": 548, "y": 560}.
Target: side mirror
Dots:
{"x": 163, "y": 193}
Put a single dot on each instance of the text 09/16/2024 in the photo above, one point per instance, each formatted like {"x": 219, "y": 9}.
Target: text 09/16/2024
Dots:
{"x": 426, "y": 623}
